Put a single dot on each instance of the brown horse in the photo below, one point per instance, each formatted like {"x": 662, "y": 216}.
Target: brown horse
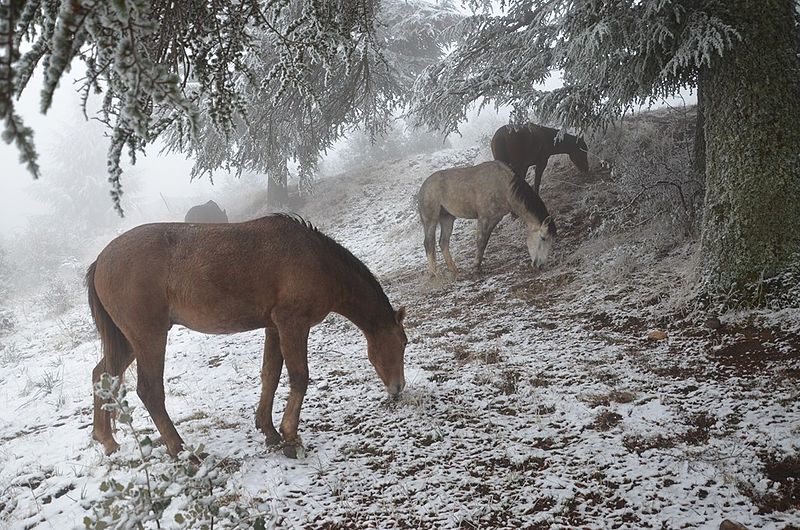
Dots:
{"x": 532, "y": 145}
{"x": 277, "y": 272}
{"x": 209, "y": 212}
{"x": 486, "y": 192}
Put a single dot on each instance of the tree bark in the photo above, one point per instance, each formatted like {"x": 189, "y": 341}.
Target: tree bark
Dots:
{"x": 699, "y": 154}
{"x": 751, "y": 226}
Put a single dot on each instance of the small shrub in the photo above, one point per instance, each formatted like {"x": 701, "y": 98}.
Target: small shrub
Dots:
{"x": 652, "y": 172}
{"x": 182, "y": 493}
{"x": 8, "y": 322}
{"x": 57, "y": 297}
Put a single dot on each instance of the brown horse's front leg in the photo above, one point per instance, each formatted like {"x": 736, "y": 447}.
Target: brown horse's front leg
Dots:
{"x": 270, "y": 375}
{"x": 294, "y": 346}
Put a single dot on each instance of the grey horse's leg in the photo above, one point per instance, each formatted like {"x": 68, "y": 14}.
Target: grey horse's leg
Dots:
{"x": 485, "y": 228}
{"x": 430, "y": 244}
{"x": 429, "y": 216}
{"x": 446, "y": 224}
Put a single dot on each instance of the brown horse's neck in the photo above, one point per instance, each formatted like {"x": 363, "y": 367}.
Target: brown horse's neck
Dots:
{"x": 362, "y": 305}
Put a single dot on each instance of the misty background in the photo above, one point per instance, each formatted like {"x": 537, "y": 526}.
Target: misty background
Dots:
{"x": 51, "y": 228}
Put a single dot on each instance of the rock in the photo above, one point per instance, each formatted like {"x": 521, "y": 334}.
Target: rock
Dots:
{"x": 713, "y": 323}
{"x": 727, "y": 524}
{"x": 657, "y": 334}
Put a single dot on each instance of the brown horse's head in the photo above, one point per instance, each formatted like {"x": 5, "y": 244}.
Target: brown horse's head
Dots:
{"x": 386, "y": 348}
{"x": 580, "y": 156}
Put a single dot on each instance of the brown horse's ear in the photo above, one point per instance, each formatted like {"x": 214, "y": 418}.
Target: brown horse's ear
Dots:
{"x": 400, "y": 315}
{"x": 547, "y": 221}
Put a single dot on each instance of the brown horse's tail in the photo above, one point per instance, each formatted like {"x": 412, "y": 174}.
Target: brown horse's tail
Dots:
{"x": 115, "y": 345}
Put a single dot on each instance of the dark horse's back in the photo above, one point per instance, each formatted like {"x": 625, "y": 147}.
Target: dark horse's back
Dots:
{"x": 522, "y": 146}
{"x": 213, "y": 278}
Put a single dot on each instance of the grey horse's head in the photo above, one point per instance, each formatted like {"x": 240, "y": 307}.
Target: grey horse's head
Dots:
{"x": 540, "y": 241}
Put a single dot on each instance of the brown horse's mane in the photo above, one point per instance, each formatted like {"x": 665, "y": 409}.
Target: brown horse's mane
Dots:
{"x": 347, "y": 258}
{"x": 523, "y": 192}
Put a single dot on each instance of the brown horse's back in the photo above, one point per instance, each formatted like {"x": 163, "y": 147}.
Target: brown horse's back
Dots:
{"x": 212, "y": 278}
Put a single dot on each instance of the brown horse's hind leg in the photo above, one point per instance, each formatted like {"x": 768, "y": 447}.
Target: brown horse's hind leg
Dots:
{"x": 150, "y": 386}
{"x": 270, "y": 375}
{"x": 446, "y": 223}
{"x": 294, "y": 346}
{"x": 101, "y": 430}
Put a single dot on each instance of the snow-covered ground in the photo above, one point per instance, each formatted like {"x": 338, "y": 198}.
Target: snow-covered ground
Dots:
{"x": 534, "y": 398}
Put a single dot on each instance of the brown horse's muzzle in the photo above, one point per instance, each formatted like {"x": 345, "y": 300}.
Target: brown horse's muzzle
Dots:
{"x": 395, "y": 388}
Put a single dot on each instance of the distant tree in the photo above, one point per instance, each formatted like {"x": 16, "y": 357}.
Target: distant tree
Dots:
{"x": 161, "y": 63}
{"x": 618, "y": 55}
{"x": 196, "y": 67}
{"x": 278, "y": 126}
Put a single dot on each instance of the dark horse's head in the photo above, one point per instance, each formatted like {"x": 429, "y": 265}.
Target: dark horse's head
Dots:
{"x": 386, "y": 348}
{"x": 579, "y": 155}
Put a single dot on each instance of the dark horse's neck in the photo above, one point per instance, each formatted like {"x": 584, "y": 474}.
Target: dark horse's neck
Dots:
{"x": 567, "y": 145}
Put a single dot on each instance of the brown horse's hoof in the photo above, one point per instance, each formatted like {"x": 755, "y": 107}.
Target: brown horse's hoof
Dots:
{"x": 272, "y": 438}
{"x": 109, "y": 444}
{"x": 293, "y": 450}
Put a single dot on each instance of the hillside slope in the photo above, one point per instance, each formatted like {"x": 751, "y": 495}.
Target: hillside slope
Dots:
{"x": 534, "y": 398}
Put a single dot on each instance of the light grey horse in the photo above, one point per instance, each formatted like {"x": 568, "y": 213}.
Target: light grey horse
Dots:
{"x": 486, "y": 192}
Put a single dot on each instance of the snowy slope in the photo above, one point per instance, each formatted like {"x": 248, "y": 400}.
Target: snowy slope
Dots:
{"x": 534, "y": 399}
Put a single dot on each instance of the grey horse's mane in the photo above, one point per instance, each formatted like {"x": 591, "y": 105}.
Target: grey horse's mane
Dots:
{"x": 523, "y": 192}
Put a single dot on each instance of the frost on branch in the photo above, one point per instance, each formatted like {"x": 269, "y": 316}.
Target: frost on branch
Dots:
{"x": 14, "y": 130}
{"x": 160, "y": 65}
{"x": 613, "y": 55}
{"x": 307, "y": 83}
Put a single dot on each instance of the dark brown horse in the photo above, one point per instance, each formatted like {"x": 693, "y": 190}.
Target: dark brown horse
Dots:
{"x": 277, "y": 272}
{"x": 523, "y": 146}
{"x": 209, "y": 212}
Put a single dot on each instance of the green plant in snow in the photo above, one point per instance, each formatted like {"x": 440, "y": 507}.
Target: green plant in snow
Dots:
{"x": 183, "y": 493}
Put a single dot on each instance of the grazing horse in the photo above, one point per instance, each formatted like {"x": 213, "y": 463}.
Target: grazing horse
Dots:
{"x": 486, "y": 192}
{"x": 209, "y": 212}
{"x": 527, "y": 145}
{"x": 277, "y": 272}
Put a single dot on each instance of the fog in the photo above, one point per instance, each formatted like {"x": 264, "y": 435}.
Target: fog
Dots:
{"x": 63, "y": 126}
{"x": 52, "y": 227}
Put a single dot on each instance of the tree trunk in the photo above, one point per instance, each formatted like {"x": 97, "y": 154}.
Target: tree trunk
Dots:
{"x": 751, "y": 226}
{"x": 699, "y": 154}
{"x": 277, "y": 191}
